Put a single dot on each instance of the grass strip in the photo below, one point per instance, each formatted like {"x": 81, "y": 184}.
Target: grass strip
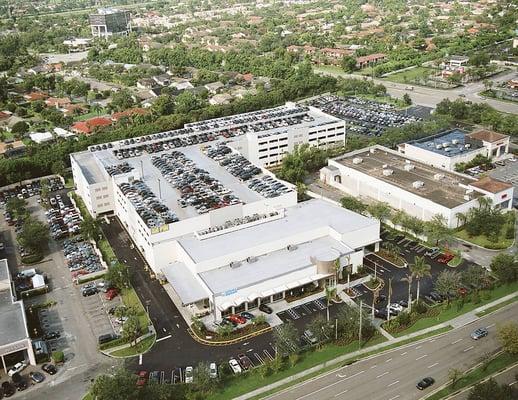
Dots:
{"x": 140, "y": 347}
{"x": 497, "y": 306}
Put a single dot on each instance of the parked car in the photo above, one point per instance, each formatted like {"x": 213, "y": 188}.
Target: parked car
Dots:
{"x": 396, "y": 307}
{"x": 425, "y": 382}
{"x": 89, "y": 292}
{"x": 189, "y": 375}
{"x": 245, "y": 361}
{"x": 49, "y": 369}
{"x": 309, "y": 336}
{"x": 213, "y": 370}
{"x": 141, "y": 378}
{"x": 111, "y": 294}
{"x": 265, "y": 308}
{"x": 479, "y": 333}
{"x": 237, "y": 319}
{"x": 36, "y": 376}
{"x": 247, "y": 315}
{"x": 107, "y": 337}
{"x": 8, "y": 389}
{"x": 234, "y": 366}
{"x": 51, "y": 335}
{"x": 19, "y": 381}
{"x": 17, "y": 368}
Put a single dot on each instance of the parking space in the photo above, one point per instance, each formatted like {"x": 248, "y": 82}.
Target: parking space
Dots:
{"x": 364, "y": 117}
{"x": 507, "y": 171}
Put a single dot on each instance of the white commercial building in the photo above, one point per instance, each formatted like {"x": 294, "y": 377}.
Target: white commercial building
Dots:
{"x": 407, "y": 184}
{"x": 107, "y": 22}
{"x": 14, "y": 335}
{"x": 447, "y": 149}
{"x": 225, "y": 233}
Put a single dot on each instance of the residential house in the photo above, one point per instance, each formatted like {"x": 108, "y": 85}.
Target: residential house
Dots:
{"x": 74, "y": 109}
{"x": 220, "y": 99}
{"x": 130, "y": 112}
{"x": 182, "y": 84}
{"x": 41, "y": 137}
{"x": 214, "y": 87}
{"x": 371, "y": 59}
{"x": 513, "y": 84}
{"x": 58, "y": 102}
{"x": 34, "y": 96}
{"x": 63, "y": 133}
{"x": 146, "y": 83}
{"x": 162, "y": 80}
{"x": 88, "y": 126}
{"x": 12, "y": 148}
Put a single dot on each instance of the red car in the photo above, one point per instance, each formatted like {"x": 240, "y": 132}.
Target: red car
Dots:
{"x": 237, "y": 319}
{"x": 141, "y": 378}
{"x": 445, "y": 258}
{"x": 111, "y": 294}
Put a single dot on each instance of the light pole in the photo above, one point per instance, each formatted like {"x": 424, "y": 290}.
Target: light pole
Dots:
{"x": 360, "y": 328}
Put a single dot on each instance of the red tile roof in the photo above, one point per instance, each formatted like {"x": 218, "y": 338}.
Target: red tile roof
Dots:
{"x": 128, "y": 113}
{"x": 487, "y": 136}
{"x": 33, "y": 96}
{"x": 370, "y": 57}
{"x": 57, "y": 101}
{"x": 89, "y": 125}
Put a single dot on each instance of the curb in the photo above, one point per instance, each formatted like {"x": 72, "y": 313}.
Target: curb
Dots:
{"x": 226, "y": 342}
{"x": 484, "y": 248}
{"x": 108, "y": 354}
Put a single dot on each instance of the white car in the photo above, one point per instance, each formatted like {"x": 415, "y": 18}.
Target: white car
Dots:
{"x": 189, "y": 375}
{"x": 234, "y": 365}
{"x": 18, "y": 367}
{"x": 213, "y": 371}
{"x": 396, "y": 307}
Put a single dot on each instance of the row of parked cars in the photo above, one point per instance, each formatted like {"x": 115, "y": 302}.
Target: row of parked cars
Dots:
{"x": 81, "y": 257}
{"x": 63, "y": 220}
{"x": 152, "y": 211}
{"x": 234, "y": 163}
{"x": 19, "y": 382}
{"x": 197, "y": 188}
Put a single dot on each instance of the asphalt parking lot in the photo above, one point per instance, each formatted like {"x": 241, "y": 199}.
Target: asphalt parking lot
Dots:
{"x": 507, "y": 173}
{"x": 96, "y": 310}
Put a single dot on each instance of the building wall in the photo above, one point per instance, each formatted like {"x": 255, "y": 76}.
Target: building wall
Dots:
{"x": 439, "y": 160}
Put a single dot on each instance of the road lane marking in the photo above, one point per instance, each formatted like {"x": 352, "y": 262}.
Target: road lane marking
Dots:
{"x": 383, "y": 374}
{"x": 395, "y": 397}
{"x": 418, "y": 347}
{"x": 490, "y": 326}
{"x": 404, "y": 353}
{"x": 328, "y": 386}
{"x": 342, "y": 392}
{"x": 457, "y": 341}
{"x": 389, "y": 360}
{"x": 423, "y": 356}
{"x": 393, "y": 383}
{"x": 341, "y": 376}
{"x": 468, "y": 349}
{"x": 139, "y": 360}
{"x": 164, "y": 338}
{"x": 433, "y": 365}
{"x": 374, "y": 366}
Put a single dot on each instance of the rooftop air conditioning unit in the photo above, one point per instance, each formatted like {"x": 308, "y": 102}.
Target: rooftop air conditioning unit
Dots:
{"x": 384, "y": 166}
{"x": 447, "y": 149}
{"x": 372, "y": 151}
{"x": 292, "y": 247}
{"x": 387, "y": 172}
{"x": 235, "y": 264}
{"x": 251, "y": 260}
{"x": 409, "y": 167}
{"x": 445, "y": 144}
{"x": 438, "y": 147}
{"x": 438, "y": 177}
{"x": 455, "y": 141}
{"x": 467, "y": 197}
{"x": 357, "y": 160}
{"x": 418, "y": 184}
{"x": 467, "y": 145}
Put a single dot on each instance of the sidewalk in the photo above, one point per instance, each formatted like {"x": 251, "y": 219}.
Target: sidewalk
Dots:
{"x": 457, "y": 322}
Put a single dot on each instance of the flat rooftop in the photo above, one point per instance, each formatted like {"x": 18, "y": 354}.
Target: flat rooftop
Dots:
{"x": 440, "y": 186}
{"x": 91, "y": 170}
{"x": 450, "y": 144}
{"x": 12, "y": 315}
{"x": 307, "y": 216}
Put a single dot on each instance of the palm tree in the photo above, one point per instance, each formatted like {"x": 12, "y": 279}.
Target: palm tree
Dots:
{"x": 330, "y": 294}
{"x": 392, "y": 248}
{"x": 409, "y": 278}
{"x": 90, "y": 228}
{"x": 419, "y": 269}
{"x": 461, "y": 219}
{"x": 484, "y": 202}
{"x": 95, "y": 108}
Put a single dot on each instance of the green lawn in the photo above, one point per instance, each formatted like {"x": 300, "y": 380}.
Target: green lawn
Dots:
{"x": 131, "y": 300}
{"x": 451, "y": 312}
{"x": 410, "y": 75}
{"x": 88, "y": 396}
{"x": 140, "y": 348}
{"x": 483, "y": 241}
{"x": 497, "y": 306}
{"x": 106, "y": 250}
{"x": 88, "y": 116}
{"x": 455, "y": 262}
{"x": 497, "y": 364}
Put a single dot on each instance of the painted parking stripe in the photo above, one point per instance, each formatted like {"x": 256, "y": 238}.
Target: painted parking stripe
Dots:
{"x": 267, "y": 354}
{"x": 342, "y": 392}
{"x": 468, "y": 349}
{"x": 259, "y": 358}
{"x": 393, "y": 383}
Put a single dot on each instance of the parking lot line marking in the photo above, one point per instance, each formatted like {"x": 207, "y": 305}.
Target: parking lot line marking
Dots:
{"x": 468, "y": 349}
{"x": 342, "y": 392}
{"x": 433, "y": 365}
{"x": 423, "y": 356}
{"x": 393, "y": 383}
{"x": 418, "y": 347}
{"x": 140, "y": 359}
{"x": 456, "y": 341}
{"x": 163, "y": 338}
{"x": 374, "y": 366}
{"x": 490, "y": 326}
{"x": 404, "y": 353}
{"x": 383, "y": 374}
{"x": 389, "y": 360}
{"x": 395, "y": 397}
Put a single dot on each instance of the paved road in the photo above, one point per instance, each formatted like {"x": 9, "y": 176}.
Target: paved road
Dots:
{"x": 393, "y": 375}
{"x": 430, "y": 97}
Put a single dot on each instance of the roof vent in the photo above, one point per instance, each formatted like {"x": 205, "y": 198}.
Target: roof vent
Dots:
{"x": 235, "y": 264}
{"x": 438, "y": 147}
{"x": 357, "y": 160}
{"x": 251, "y": 260}
{"x": 418, "y": 184}
{"x": 387, "y": 172}
{"x": 384, "y": 166}
{"x": 447, "y": 149}
{"x": 409, "y": 167}
{"x": 445, "y": 144}
{"x": 372, "y": 151}
{"x": 438, "y": 177}
{"x": 455, "y": 141}
{"x": 292, "y": 247}
{"x": 467, "y": 197}
{"x": 467, "y": 145}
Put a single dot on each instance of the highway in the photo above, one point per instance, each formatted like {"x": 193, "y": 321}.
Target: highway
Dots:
{"x": 394, "y": 374}
{"x": 429, "y": 97}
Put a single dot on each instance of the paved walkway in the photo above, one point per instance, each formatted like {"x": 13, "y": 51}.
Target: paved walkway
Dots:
{"x": 456, "y": 322}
